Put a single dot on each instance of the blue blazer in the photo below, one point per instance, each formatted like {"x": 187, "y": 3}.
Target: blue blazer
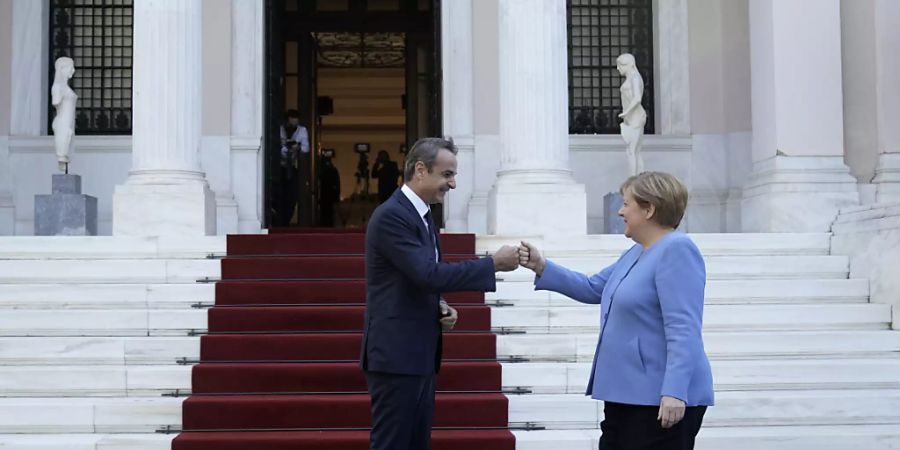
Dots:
{"x": 402, "y": 332}
{"x": 651, "y": 341}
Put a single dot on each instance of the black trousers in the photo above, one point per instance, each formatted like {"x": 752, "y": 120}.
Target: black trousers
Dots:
{"x": 287, "y": 196}
{"x": 402, "y": 411}
{"x": 634, "y": 427}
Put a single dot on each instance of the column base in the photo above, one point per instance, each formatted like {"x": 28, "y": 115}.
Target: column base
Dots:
{"x": 797, "y": 194}
{"x": 181, "y": 207}
{"x": 887, "y": 178}
{"x": 540, "y": 202}
{"x": 478, "y": 213}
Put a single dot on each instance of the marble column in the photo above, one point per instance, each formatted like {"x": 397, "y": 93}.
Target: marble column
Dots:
{"x": 30, "y": 31}
{"x": 887, "y": 101}
{"x": 458, "y": 109}
{"x": 535, "y": 192}
{"x": 166, "y": 192}
{"x": 799, "y": 180}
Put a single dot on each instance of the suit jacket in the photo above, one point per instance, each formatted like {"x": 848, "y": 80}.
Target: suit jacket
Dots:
{"x": 651, "y": 340}
{"x": 402, "y": 332}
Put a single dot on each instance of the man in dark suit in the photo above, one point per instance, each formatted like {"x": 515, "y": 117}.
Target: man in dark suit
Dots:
{"x": 401, "y": 350}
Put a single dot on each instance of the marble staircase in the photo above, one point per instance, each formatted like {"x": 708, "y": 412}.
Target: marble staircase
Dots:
{"x": 91, "y": 330}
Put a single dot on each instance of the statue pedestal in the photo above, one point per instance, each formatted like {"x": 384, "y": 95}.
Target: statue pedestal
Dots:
{"x": 66, "y": 211}
{"x": 612, "y": 223}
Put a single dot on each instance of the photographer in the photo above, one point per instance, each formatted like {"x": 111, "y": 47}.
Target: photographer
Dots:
{"x": 294, "y": 162}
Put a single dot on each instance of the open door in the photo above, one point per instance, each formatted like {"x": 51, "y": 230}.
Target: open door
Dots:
{"x": 306, "y": 103}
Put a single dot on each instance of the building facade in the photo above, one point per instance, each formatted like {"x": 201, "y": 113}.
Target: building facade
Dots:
{"x": 777, "y": 114}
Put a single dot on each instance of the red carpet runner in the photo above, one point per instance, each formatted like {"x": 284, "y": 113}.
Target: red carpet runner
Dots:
{"x": 279, "y": 368}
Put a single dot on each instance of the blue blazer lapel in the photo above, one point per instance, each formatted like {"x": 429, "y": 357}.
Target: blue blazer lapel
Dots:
{"x": 617, "y": 277}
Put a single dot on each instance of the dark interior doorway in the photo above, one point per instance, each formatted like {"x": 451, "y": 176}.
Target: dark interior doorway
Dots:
{"x": 363, "y": 75}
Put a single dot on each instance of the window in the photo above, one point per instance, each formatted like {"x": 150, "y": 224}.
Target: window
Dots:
{"x": 600, "y": 31}
{"x": 97, "y": 34}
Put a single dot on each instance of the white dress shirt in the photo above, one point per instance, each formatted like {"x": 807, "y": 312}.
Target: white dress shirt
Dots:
{"x": 300, "y": 136}
{"x": 421, "y": 208}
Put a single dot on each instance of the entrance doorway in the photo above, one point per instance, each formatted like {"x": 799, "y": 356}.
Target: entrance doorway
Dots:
{"x": 364, "y": 77}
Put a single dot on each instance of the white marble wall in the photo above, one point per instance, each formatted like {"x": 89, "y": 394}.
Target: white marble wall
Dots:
{"x": 870, "y": 235}
{"x": 599, "y": 163}
{"x": 104, "y": 161}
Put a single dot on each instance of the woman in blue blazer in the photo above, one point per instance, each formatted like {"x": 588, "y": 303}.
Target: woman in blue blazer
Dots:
{"x": 650, "y": 367}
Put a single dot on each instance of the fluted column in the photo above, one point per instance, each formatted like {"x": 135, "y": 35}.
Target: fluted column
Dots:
{"x": 166, "y": 192}
{"x": 535, "y": 191}
{"x": 167, "y": 75}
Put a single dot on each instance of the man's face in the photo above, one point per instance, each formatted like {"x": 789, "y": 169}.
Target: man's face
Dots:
{"x": 433, "y": 186}
{"x": 294, "y": 121}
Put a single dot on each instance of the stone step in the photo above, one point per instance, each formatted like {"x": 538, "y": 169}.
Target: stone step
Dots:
{"x": 85, "y": 322}
{"x": 88, "y": 414}
{"x": 182, "y": 295}
{"x": 724, "y": 267}
{"x": 190, "y": 270}
{"x": 720, "y": 345}
{"x": 584, "y": 318}
{"x": 729, "y": 375}
{"x": 734, "y": 409}
{"x": 89, "y": 381}
{"x": 823, "y": 437}
{"x": 110, "y": 296}
{"x": 544, "y": 378}
{"x": 101, "y": 350}
{"x": 110, "y": 247}
{"x": 710, "y": 244}
{"x": 575, "y": 319}
{"x": 746, "y": 408}
{"x": 118, "y": 271}
{"x": 717, "y": 292}
{"x": 87, "y": 441}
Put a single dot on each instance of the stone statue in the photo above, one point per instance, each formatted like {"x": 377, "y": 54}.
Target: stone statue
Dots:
{"x": 63, "y": 98}
{"x": 633, "y": 115}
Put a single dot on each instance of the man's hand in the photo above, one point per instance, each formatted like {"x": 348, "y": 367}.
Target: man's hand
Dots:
{"x": 671, "y": 411}
{"x": 449, "y": 316}
{"x": 530, "y": 258}
{"x": 506, "y": 259}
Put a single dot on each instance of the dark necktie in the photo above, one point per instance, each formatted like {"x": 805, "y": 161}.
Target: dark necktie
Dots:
{"x": 431, "y": 236}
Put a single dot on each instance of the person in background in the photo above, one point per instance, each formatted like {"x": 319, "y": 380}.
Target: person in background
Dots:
{"x": 387, "y": 173}
{"x": 294, "y": 164}
{"x": 330, "y": 194}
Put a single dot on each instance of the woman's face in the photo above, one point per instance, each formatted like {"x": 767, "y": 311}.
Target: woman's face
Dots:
{"x": 636, "y": 218}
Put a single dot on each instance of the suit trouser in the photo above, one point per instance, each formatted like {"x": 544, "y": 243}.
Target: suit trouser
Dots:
{"x": 634, "y": 427}
{"x": 402, "y": 410}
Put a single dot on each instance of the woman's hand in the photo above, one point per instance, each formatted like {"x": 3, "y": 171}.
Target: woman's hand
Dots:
{"x": 671, "y": 411}
{"x": 530, "y": 258}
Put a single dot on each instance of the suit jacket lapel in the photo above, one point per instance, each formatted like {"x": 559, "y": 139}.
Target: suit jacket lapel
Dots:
{"x": 413, "y": 215}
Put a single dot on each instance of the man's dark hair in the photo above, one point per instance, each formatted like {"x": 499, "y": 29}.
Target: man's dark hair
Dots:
{"x": 426, "y": 150}
{"x": 292, "y": 113}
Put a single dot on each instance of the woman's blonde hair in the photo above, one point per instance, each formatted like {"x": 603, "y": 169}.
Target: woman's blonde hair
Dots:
{"x": 662, "y": 190}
